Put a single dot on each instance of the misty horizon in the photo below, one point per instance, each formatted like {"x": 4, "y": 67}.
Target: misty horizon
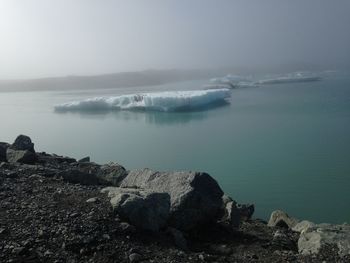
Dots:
{"x": 43, "y": 39}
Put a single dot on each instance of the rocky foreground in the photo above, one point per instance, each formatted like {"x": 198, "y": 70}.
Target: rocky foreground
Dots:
{"x": 57, "y": 209}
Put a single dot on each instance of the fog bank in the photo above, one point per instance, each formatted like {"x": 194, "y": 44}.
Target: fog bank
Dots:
{"x": 41, "y": 38}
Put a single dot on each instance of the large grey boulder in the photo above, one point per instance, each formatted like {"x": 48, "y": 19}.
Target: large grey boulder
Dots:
{"x": 143, "y": 209}
{"x": 313, "y": 239}
{"x": 95, "y": 174}
{"x": 195, "y": 198}
{"x": 21, "y": 151}
{"x": 3, "y": 149}
{"x": 282, "y": 219}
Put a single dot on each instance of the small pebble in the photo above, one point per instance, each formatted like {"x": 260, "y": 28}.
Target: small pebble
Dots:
{"x": 92, "y": 200}
{"x": 134, "y": 257}
{"x": 106, "y": 236}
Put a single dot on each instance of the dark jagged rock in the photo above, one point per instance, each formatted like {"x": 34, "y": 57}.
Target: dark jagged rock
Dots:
{"x": 246, "y": 211}
{"x": 20, "y": 156}
{"x": 23, "y": 143}
{"x": 234, "y": 213}
{"x": 135, "y": 257}
{"x": 281, "y": 240}
{"x": 54, "y": 159}
{"x": 77, "y": 177}
{"x": 84, "y": 160}
{"x": 178, "y": 238}
{"x": 3, "y": 149}
{"x": 112, "y": 173}
{"x": 195, "y": 197}
{"x": 21, "y": 151}
{"x": 94, "y": 174}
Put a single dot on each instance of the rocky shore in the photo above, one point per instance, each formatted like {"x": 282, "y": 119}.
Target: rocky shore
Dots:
{"x": 58, "y": 209}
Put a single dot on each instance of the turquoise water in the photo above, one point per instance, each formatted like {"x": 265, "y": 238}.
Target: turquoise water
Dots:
{"x": 279, "y": 147}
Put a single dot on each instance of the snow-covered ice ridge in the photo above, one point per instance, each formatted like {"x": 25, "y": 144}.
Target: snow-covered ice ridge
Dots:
{"x": 234, "y": 81}
{"x": 157, "y": 101}
{"x": 289, "y": 79}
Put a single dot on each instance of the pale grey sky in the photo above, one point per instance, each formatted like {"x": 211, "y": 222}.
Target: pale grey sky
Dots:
{"x": 40, "y": 38}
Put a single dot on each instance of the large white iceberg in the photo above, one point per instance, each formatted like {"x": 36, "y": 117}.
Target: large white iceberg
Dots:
{"x": 158, "y": 101}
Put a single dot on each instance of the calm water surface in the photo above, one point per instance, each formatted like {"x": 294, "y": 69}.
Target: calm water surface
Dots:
{"x": 280, "y": 146}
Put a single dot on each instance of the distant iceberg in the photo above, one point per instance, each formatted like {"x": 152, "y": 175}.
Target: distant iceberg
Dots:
{"x": 158, "y": 101}
{"x": 231, "y": 82}
{"x": 290, "y": 78}
{"x": 234, "y": 81}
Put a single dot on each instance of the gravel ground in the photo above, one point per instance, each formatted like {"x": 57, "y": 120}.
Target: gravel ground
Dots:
{"x": 44, "y": 219}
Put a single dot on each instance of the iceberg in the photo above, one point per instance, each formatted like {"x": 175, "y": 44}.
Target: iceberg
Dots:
{"x": 231, "y": 82}
{"x": 235, "y": 81}
{"x": 223, "y": 82}
{"x": 158, "y": 101}
{"x": 290, "y": 78}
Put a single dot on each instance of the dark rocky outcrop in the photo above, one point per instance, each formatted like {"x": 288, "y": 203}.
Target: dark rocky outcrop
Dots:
{"x": 178, "y": 238}
{"x": 54, "y": 159}
{"x": 246, "y": 211}
{"x": 84, "y": 160}
{"x": 21, "y": 151}
{"x": 94, "y": 174}
{"x": 77, "y": 177}
{"x": 234, "y": 213}
{"x": 23, "y": 143}
{"x": 195, "y": 197}
{"x": 3, "y": 149}
{"x": 112, "y": 173}
{"x": 19, "y": 156}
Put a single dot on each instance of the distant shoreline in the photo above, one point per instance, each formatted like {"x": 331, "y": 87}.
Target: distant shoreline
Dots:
{"x": 105, "y": 81}
{"x": 133, "y": 78}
